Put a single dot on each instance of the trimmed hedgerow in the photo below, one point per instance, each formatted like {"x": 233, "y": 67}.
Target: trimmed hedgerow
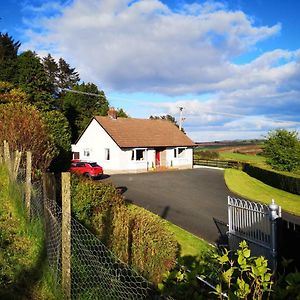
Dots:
{"x": 135, "y": 235}
{"x": 287, "y": 183}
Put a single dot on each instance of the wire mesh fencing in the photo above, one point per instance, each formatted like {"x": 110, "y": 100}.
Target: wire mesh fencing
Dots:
{"x": 96, "y": 273}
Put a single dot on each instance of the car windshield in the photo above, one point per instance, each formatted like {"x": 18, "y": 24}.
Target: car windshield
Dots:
{"x": 93, "y": 164}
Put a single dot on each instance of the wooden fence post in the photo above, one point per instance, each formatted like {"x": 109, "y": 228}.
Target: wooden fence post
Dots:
{"x": 7, "y": 159}
{"x": 1, "y": 154}
{"x": 66, "y": 234}
{"x": 28, "y": 181}
{"x": 16, "y": 165}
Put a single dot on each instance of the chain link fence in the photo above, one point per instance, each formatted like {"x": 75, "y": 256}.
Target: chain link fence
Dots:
{"x": 96, "y": 273}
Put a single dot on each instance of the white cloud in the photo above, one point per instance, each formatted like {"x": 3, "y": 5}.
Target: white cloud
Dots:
{"x": 146, "y": 46}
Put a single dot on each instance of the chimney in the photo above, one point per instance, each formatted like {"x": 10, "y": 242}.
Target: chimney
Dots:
{"x": 112, "y": 113}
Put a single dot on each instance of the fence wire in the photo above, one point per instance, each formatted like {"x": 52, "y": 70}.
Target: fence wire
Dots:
{"x": 96, "y": 273}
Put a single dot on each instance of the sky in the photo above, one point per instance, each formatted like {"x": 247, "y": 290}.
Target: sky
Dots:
{"x": 234, "y": 66}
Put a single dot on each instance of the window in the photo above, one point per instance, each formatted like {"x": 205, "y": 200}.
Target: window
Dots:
{"x": 181, "y": 152}
{"x": 86, "y": 152}
{"x": 140, "y": 154}
{"x": 107, "y": 154}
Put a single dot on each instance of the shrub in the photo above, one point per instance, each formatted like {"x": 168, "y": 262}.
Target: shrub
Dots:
{"x": 135, "y": 235}
{"x": 93, "y": 204}
{"x": 152, "y": 248}
{"x": 290, "y": 184}
{"x": 22, "y": 126}
{"x": 238, "y": 275}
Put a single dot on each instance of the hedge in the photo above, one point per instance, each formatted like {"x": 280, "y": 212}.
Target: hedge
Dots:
{"x": 287, "y": 183}
{"x": 135, "y": 235}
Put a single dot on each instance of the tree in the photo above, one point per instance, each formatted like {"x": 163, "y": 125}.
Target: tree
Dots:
{"x": 67, "y": 76}
{"x": 60, "y": 75}
{"x": 168, "y": 118}
{"x": 32, "y": 78}
{"x": 121, "y": 113}
{"x": 60, "y": 134}
{"x": 23, "y": 127}
{"x": 80, "y": 108}
{"x": 51, "y": 70}
{"x": 8, "y": 57}
{"x": 282, "y": 150}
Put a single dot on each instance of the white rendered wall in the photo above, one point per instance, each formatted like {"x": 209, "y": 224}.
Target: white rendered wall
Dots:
{"x": 180, "y": 162}
{"x": 96, "y": 140}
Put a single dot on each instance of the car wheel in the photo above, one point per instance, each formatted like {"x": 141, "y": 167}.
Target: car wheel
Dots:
{"x": 88, "y": 175}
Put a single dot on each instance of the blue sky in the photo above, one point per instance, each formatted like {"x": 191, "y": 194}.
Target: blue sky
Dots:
{"x": 233, "y": 65}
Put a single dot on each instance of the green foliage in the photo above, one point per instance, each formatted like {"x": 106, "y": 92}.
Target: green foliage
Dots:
{"x": 182, "y": 283}
{"x": 21, "y": 243}
{"x": 67, "y": 76}
{"x": 152, "y": 248}
{"x": 93, "y": 202}
{"x": 238, "y": 276}
{"x": 80, "y": 108}
{"x": 60, "y": 75}
{"x": 136, "y": 236}
{"x": 208, "y": 154}
{"x": 60, "y": 134}
{"x": 8, "y": 93}
{"x": 243, "y": 276}
{"x": 288, "y": 286}
{"x": 121, "y": 113}
{"x": 8, "y": 57}
{"x": 32, "y": 78}
{"x": 282, "y": 149}
{"x": 275, "y": 179}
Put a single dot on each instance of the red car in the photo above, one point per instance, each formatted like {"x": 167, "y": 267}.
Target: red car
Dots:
{"x": 88, "y": 169}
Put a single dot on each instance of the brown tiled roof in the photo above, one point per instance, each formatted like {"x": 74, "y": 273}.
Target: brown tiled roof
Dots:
{"x": 129, "y": 132}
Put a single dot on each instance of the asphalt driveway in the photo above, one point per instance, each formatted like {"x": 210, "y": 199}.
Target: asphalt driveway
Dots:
{"x": 190, "y": 199}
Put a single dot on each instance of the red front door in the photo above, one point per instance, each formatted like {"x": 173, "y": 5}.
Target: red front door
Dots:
{"x": 157, "y": 158}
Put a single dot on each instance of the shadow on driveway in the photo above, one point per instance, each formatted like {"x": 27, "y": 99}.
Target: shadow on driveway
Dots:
{"x": 191, "y": 199}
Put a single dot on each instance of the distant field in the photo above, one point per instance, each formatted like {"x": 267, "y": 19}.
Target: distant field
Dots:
{"x": 257, "y": 159}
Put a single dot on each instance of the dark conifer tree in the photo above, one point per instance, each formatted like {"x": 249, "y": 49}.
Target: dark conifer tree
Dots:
{"x": 8, "y": 57}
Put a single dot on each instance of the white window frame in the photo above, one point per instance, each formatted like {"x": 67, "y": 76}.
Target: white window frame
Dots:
{"x": 134, "y": 154}
{"x": 182, "y": 154}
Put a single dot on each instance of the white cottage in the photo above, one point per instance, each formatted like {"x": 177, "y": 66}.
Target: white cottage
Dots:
{"x": 133, "y": 145}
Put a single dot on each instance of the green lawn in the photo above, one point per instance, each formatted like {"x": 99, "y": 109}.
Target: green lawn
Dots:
{"x": 248, "y": 187}
{"x": 189, "y": 243}
{"x": 257, "y": 159}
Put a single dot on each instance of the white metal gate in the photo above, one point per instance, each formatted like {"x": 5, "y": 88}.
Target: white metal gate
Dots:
{"x": 255, "y": 223}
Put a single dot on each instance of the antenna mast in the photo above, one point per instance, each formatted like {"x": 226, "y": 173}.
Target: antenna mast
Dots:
{"x": 180, "y": 117}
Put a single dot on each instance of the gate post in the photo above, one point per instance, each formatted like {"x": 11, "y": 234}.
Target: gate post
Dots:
{"x": 275, "y": 213}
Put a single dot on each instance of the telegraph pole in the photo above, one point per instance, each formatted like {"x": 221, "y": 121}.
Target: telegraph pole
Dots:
{"x": 180, "y": 117}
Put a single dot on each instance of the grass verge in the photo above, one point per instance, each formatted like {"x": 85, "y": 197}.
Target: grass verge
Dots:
{"x": 250, "y": 188}
{"x": 22, "y": 256}
{"x": 189, "y": 243}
